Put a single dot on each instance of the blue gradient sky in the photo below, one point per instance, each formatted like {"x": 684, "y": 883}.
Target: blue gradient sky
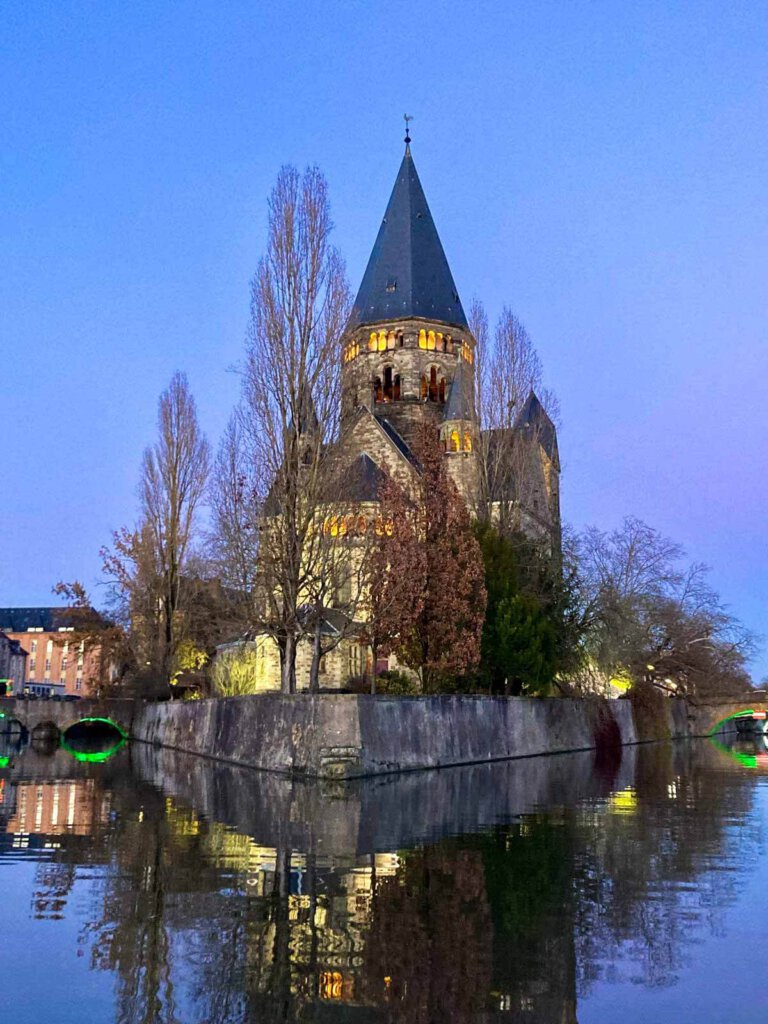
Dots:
{"x": 602, "y": 167}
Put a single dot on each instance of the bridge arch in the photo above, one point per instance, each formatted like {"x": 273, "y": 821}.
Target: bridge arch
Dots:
{"x": 93, "y": 738}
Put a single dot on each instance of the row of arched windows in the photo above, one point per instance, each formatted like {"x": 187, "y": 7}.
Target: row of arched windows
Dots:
{"x": 454, "y": 442}
{"x": 344, "y": 526}
{"x": 351, "y": 351}
{"x": 430, "y": 341}
{"x": 382, "y": 341}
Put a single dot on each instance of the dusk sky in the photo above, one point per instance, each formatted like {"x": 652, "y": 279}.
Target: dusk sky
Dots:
{"x": 601, "y": 167}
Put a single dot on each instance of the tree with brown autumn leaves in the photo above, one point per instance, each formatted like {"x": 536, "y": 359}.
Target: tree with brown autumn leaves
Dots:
{"x": 427, "y": 579}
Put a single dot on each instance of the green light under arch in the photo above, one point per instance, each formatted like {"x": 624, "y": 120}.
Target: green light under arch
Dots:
{"x": 736, "y": 714}
{"x": 94, "y": 757}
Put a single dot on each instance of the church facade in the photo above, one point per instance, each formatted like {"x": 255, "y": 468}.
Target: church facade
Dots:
{"x": 409, "y": 359}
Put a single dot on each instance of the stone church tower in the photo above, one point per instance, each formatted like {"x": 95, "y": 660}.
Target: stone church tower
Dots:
{"x": 408, "y": 354}
{"x": 408, "y": 358}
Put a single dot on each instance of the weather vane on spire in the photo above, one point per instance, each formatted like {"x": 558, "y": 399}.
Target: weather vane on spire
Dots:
{"x": 407, "y": 118}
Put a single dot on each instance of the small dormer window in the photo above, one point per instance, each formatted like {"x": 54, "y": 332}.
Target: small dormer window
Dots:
{"x": 392, "y": 284}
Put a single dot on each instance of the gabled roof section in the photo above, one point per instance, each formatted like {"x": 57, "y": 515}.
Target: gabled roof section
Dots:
{"x": 407, "y": 273}
{"x": 460, "y": 404}
{"x": 362, "y": 481}
{"x": 398, "y": 441}
{"x": 533, "y": 420}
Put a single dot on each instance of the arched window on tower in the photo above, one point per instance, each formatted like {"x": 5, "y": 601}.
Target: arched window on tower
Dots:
{"x": 373, "y": 342}
{"x": 455, "y": 442}
{"x": 434, "y": 390}
{"x": 422, "y": 338}
{"x": 391, "y": 387}
{"x": 467, "y": 441}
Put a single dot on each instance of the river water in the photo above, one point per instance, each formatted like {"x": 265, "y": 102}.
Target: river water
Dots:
{"x": 157, "y": 887}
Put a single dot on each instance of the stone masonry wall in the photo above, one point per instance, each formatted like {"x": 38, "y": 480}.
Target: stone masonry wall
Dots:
{"x": 348, "y": 736}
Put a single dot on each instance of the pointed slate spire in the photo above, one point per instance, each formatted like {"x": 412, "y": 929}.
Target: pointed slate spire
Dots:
{"x": 533, "y": 420}
{"x": 407, "y": 274}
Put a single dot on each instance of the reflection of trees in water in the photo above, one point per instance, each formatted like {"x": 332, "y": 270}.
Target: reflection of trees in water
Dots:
{"x": 428, "y": 955}
{"x": 651, "y": 875}
{"x": 200, "y": 924}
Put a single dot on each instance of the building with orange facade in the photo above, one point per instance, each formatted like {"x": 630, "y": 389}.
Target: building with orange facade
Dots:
{"x": 57, "y": 662}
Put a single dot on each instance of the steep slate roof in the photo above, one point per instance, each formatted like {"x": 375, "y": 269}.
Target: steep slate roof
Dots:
{"x": 407, "y": 273}
{"x": 397, "y": 440}
{"x": 460, "y": 405}
{"x": 533, "y": 418}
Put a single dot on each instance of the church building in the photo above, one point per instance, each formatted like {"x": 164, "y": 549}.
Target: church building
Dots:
{"x": 409, "y": 359}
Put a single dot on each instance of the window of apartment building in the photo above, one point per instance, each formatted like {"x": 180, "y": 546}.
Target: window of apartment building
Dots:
{"x": 32, "y": 663}
{"x": 47, "y": 664}
{"x": 78, "y": 683}
{"x": 33, "y": 647}
{"x": 49, "y": 648}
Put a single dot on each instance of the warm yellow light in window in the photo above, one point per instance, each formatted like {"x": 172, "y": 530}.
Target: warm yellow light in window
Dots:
{"x": 391, "y": 339}
{"x": 455, "y": 441}
{"x": 372, "y": 342}
{"x": 431, "y": 341}
{"x": 422, "y": 338}
{"x": 382, "y": 341}
{"x": 467, "y": 442}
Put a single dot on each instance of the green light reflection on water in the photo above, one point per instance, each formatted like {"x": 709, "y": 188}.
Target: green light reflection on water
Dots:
{"x": 94, "y": 756}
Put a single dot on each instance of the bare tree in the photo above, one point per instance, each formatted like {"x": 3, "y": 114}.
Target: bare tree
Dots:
{"x": 299, "y": 306}
{"x": 236, "y": 512}
{"x": 507, "y": 370}
{"x": 656, "y": 619}
{"x": 147, "y": 565}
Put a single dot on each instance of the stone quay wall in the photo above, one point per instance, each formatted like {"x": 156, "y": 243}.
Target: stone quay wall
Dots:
{"x": 348, "y": 736}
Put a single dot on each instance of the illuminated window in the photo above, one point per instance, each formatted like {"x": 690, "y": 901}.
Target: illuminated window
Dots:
{"x": 382, "y": 341}
{"x": 391, "y": 340}
{"x": 467, "y": 442}
{"x": 422, "y": 338}
{"x": 455, "y": 441}
{"x": 431, "y": 341}
{"x": 331, "y": 985}
{"x": 372, "y": 342}
{"x": 440, "y": 343}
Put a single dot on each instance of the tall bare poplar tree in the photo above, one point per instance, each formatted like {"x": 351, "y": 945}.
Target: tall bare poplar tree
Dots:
{"x": 148, "y": 565}
{"x": 299, "y": 306}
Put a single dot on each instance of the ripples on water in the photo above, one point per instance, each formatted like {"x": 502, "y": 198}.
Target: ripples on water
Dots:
{"x": 156, "y": 887}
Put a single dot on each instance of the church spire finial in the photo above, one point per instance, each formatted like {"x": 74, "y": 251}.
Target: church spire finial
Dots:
{"x": 407, "y": 118}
